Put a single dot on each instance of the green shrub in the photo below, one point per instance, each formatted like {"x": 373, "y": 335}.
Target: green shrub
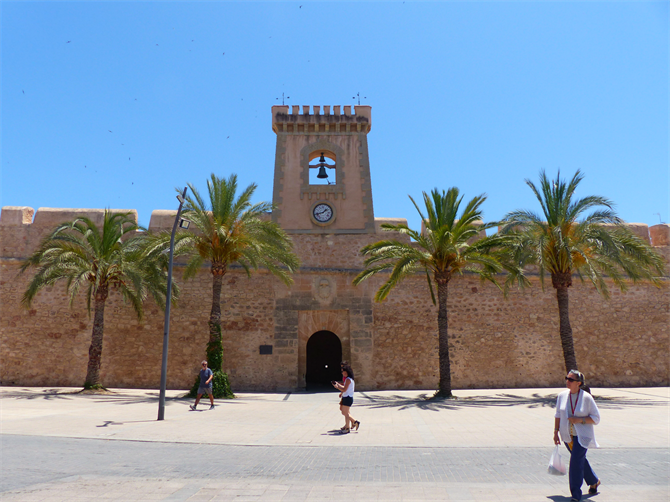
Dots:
{"x": 221, "y": 386}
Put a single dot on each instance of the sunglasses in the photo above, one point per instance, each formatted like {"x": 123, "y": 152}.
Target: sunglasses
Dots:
{"x": 568, "y": 379}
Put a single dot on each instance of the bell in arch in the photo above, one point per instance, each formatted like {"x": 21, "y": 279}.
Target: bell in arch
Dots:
{"x": 322, "y": 168}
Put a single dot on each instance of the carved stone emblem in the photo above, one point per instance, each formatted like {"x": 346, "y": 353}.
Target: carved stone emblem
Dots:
{"x": 324, "y": 289}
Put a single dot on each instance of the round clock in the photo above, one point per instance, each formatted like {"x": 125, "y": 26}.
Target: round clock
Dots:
{"x": 322, "y": 213}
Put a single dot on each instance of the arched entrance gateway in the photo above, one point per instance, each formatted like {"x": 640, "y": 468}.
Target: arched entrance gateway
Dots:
{"x": 324, "y": 354}
{"x": 323, "y": 339}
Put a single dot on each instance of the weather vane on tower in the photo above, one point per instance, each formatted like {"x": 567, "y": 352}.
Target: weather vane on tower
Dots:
{"x": 282, "y": 98}
{"x": 358, "y": 96}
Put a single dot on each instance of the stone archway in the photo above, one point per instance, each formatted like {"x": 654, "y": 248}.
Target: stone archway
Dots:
{"x": 322, "y": 362}
{"x": 314, "y": 321}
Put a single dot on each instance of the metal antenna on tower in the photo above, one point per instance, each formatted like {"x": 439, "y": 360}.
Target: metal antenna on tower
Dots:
{"x": 358, "y": 95}
{"x": 282, "y": 98}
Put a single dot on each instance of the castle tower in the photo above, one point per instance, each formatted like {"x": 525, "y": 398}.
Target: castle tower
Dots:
{"x": 322, "y": 170}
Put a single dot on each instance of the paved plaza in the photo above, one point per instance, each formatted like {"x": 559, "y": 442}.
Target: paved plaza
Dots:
{"x": 487, "y": 445}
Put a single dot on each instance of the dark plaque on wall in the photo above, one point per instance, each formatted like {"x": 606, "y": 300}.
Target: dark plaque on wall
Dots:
{"x": 265, "y": 349}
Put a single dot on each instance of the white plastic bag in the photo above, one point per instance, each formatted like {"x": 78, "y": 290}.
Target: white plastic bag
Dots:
{"x": 556, "y": 464}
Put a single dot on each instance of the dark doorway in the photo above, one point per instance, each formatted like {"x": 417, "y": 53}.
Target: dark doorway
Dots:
{"x": 324, "y": 355}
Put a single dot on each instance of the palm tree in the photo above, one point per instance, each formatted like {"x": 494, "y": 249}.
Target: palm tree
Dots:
{"x": 232, "y": 230}
{"x": 598, "y": 246}
{"x": 102, "y": 261}
{"x": 443, "y": 250}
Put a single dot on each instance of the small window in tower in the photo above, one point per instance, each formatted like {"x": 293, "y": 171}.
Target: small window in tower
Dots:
{"x": 322, "y": 169}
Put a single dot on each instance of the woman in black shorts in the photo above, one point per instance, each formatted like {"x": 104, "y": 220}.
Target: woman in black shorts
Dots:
{"x": 347, "y": 394}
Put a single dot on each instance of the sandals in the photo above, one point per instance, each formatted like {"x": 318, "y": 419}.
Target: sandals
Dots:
{"x": 593, "y": 489}
{"x": 346, "y": 430}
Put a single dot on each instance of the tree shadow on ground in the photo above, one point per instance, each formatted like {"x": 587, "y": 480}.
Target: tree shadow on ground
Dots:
{"x": 46, "y": 394}
{"x": 102, "y": 396}
{"x": 107, "y": 423}
{"x": 154, "y": 398}
{"x": 426, "y": 402}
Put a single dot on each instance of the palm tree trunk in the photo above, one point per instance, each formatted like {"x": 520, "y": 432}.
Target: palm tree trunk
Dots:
{"x": 564, "y": 324}
{"x": 95, "y": 350}
{"x": 218, "y": 271}
{"x": 443, "y": 338}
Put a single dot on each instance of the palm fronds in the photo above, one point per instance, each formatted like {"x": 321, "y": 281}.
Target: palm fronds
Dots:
{"x": 445, "y": 247}
{"x": 567, "y": 241}
{"x": 233, "y": 230}
{"x": 79, "y": 252}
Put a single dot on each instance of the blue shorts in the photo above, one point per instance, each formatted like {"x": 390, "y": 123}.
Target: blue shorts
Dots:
{"x": 347, "y": 401}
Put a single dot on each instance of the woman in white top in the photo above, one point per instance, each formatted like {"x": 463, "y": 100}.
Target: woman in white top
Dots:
{"x": 347, "y": 394}
{"x": 576, "y": 414}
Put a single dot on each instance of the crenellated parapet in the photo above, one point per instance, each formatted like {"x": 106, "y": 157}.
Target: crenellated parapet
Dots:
{"x": 22, "y": 228}
{"x": 660, "y": 235}
{"x": 49, "y": 216}
{"x": 16, "y": 216}
{"x": 329, "y": 120}
{"x": 162, "y": 220}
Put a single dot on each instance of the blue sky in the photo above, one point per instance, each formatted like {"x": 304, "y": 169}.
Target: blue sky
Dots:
{"x": 478, "y": 95}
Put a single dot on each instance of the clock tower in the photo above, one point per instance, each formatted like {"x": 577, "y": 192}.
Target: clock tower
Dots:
{"x": 322, "y": 170}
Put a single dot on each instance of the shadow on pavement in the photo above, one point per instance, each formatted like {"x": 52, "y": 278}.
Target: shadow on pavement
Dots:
{"x": 563, "y": 498}
{"x": 335, "y": 432}
{"x": 369, "y": 399}
{"x": 425, "y": 402}
{"x": 47, "y": 394}
{"x": 153, "y": 398}
{"x": 107, "y": 423}
{"x": 99, "y": 397}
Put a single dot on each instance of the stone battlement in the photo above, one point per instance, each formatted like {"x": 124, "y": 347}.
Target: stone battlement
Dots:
{"x": 339, "y": 121}
{"x": 162, "y": 219}
{"x": 22, "y": 228}
{"x": 19, "y": 216}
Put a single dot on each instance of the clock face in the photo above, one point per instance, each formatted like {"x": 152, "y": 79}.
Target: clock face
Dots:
{"x": 322, "y": 213}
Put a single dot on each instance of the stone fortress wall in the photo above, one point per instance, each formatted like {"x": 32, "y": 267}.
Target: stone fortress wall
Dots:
{"x": 495, "y": 343}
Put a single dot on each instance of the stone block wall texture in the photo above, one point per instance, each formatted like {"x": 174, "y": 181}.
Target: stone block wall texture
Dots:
{"x": 495, "y": 343}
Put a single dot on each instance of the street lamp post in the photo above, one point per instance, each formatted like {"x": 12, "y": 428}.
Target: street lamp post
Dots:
{"x": 168, "y": 302}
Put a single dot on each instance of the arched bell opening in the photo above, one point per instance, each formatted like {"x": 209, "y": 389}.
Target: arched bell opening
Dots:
{"x": 324, "y": 355}
{"x": 322, "y": 168}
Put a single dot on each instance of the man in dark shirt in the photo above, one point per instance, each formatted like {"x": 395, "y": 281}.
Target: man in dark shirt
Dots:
{"x": 206, "y": 377}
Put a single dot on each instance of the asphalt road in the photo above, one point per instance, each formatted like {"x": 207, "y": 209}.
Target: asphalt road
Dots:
{"x": 31, "y": 460}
